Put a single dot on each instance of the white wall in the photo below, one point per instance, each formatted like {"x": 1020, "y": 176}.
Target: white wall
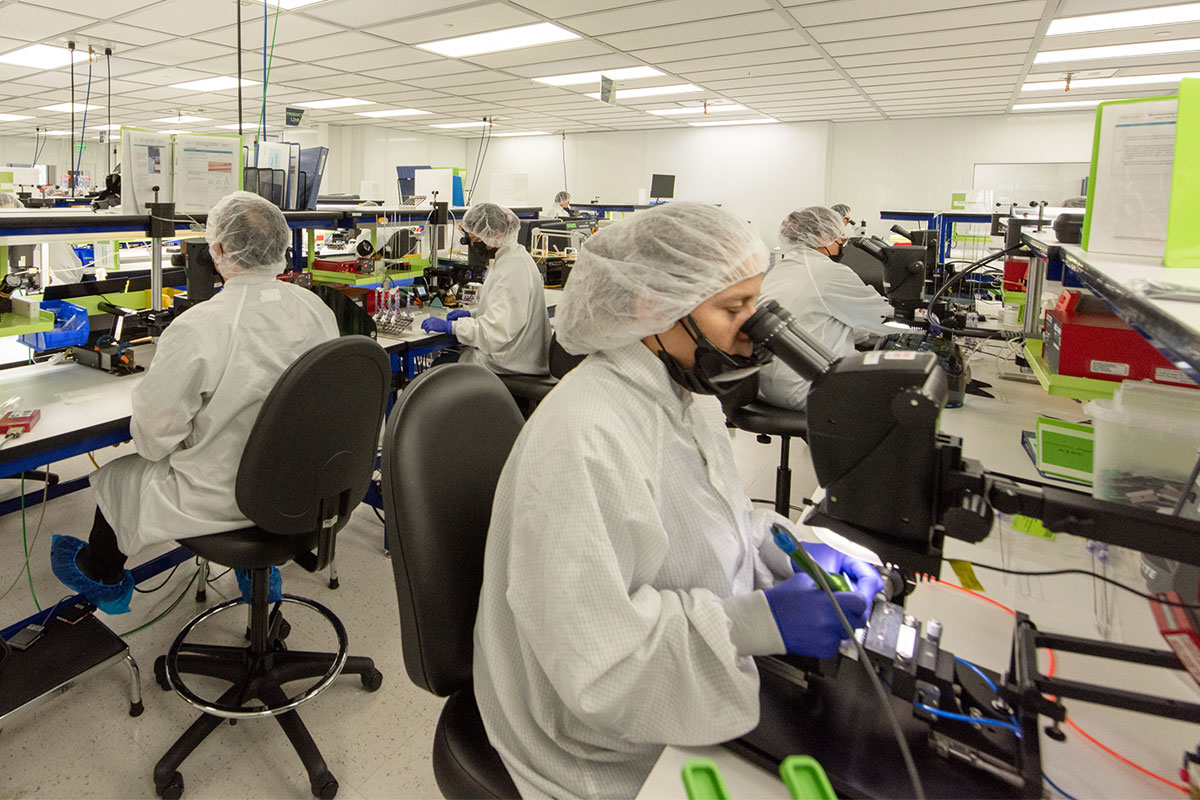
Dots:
{"x": 759, "y": 173}
{"x": 918, "y": 164}
{"x": 370, "y": 153}
{"x": 20, "y": 149}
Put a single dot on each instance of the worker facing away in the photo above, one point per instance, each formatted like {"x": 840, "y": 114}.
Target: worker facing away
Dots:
{"x": 828, "y": 299}
{"x": 193, "y": 410}
{"x": 627, "y": 581}
{"x": 509, "y": 331}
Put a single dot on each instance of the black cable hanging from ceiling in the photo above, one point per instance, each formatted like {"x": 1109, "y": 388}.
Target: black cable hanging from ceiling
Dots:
{"x": 108, "y": 127}
{"x": 239, "y": 64}
{"x": 71, "y": 154}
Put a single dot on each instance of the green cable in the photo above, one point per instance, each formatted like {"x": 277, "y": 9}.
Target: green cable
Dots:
{"x": 168, "y": 610}
{"x": 262, "y": 116}
{"x": 25, "y": 545}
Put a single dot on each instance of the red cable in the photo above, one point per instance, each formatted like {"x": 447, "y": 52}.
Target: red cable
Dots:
{"x": 1081, "y": 731}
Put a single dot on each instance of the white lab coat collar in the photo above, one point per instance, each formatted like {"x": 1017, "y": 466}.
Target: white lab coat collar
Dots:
{"x": 251, "y": 277}
{"x": 645, "y": 370}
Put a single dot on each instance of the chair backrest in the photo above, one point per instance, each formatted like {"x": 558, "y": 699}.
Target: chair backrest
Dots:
{"x": 312, "y": 449}
{"x": 446, "y": 442}
{"x": 561, "y": 362}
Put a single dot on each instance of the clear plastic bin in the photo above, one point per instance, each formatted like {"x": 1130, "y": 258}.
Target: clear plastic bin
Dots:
{"x": 1146, "y": 443}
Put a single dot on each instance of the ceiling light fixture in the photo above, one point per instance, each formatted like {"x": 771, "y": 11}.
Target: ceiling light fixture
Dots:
{"x": 336, "y": 102}
{"x": 671, "y": 112}
{"x": 714, "y": 123}
{"x": 56, "y": 133}
{"x": 67, "y": 108}
{"x": 459, "y": 125}
{"x": 624, "y": 74}
{"x": 213, "y": 84}
{"x": 1117, "y": 20}
{"x": 393, "y": 112}
{"x": 1102, "y": 83}
{"x": 113, "y": 127}
{"x": 519, "y": 133}
{"x": 651, "y": 91}
{"x": 497, "y": 41}
{"x": 1058, "y": 106}
{"x": 246, "y": 126}
{"x": 13, "y": 117}
{"x": 42, "y": 56}
{"x": 1118, "y": 51}
{"x": 184, "y": 119}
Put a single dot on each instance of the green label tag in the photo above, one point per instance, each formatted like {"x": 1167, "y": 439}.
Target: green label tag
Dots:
{"x": 966, "y": 575}
{"x": 1031, "y": 526}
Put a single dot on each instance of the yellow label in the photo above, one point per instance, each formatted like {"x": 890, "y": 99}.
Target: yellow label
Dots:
{"x": 1031, "y": 526}
{"x": 966, "y": 575}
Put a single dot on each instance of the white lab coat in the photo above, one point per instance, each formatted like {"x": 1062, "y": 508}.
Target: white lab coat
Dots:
{"x": 509, "y": 331}
{"x": 560, "y": 212}
{"x": 619, "y": 610}
{"x": 830, "y": 302}
{"x": 193, "y": 410}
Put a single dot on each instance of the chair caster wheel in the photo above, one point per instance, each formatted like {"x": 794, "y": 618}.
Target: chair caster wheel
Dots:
{"x": 136, "y": 709}
{"x": 201, "y": 596}
{"x": 160, "y": 673}
{"x": 173, "y": 790}
{"x": 335, "y": 583}
{"x": 372, "y": 680}
{"x": 762, "y": 438}
{"x": 325, "y": 787}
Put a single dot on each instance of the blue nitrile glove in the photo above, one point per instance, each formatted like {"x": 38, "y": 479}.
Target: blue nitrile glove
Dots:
{"x": 456, "y": 313}
{"x": 437, "y": 325}
{"x": 806, "y": 619}
{"x": 864, "y": 578}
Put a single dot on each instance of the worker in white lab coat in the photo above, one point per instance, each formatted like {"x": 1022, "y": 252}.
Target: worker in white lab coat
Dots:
{"x": 828, "y": 299}
{"x": 627, "y": 581}
{"x": 193, "y": 410}
{"x": 562, "y": 205}
{"x": 509, "y": 330}
{"x": 64, "y": 264}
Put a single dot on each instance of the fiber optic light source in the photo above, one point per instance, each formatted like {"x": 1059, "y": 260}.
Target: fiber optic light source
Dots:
{"x": 213, "y": 84}
{"x": 651, "y": 91}
{"x": 714, "y": 123}
{"x": 1118, "y": 51}
{"x": 393, "y": 112}
{"x": 183, "y": 120}
{"x": 336, "y": 102}
{"x": 459, "y": 125}
{"x": 42, "y": 56}
{"x": 1101, "y": 83}
{"x": 497, "y": 41}
{"x": 576, "y": 78}
{"x": 1059, "y": 106}
{"x": 519, "y": 133}
{"x": 13, "y": 117}
{"x": 671, "y": 112}
{"x": 1117, "y": 20}
{"x": 67, "y": 108}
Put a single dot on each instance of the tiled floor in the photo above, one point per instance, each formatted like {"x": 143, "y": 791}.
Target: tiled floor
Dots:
{"x": 84, "y": 745}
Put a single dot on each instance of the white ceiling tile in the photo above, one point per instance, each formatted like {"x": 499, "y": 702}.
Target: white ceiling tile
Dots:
{"x": 665, "y": 12}
{"x": 896, "y": 24}
{"x": 543, "y": 54}
{"x": 365, "y": 14}
{"x": 783, "y": 55}
{"x": 418, "y": 73}
{"x": 291, "y": 28}
{"x": 292, "y": 72}
{"x": 941, "y": 65}
{"x": 610, "y": 61}
{"x": 180, "y": 17}
{"x": 1076, "y": 8}
{"x": 117, "y": 34}
{"x": 478, "y": 19}
{"x": 339, "y": 44}
{"x": 886, "y": 56}
{"x": 251, "y": 67}
{"x": 380, "y": 58}
{"x": 812, "y": 69}
{"x": 705, "y": 30}
{"x": 33, "y": 23}
{"x": 178, "y": 51}
{"x": 1007, "y": 75}
{"x": 342, "y": 83}
{"x": 935, "y": 39}
{"x": 104, "y": 9}
{"x": 828, "y": 13}
{"x": 735, "y": 44}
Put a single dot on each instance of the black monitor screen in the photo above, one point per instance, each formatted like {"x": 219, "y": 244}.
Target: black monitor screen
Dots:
{"x": 662, "y": 186}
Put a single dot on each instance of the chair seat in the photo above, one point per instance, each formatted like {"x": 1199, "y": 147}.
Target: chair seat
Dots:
{"x": 464, "y": 761}
{"x": 760, "y": 417}
{"x": 534, "y": 387}
{"x": 250, "y": 548}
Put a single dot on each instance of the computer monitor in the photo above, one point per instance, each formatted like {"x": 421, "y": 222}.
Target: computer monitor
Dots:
{"x": 662, "y": 187}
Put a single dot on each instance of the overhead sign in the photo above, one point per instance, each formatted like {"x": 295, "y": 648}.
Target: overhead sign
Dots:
{"x": 606, "y": 89}
{"x": 293, "y": 117}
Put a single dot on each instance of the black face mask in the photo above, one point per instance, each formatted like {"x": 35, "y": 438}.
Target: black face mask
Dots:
{"x": 837, "y": 259}
{"x": 733, "y": 379}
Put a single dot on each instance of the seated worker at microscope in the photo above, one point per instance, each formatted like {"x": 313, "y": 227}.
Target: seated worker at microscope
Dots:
{"x": 64, "y": 266}
{"x": 509, "y": 331}
{"x": 828, "y": 299}
{"x": 621, "y": 611}
{"x": 562, "y": 202}
{"x": 195, "y": 407}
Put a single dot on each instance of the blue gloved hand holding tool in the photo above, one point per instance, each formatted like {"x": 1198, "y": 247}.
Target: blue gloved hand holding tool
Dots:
{"x": 437, "y": 325}
{"x": 806, "y": 619}
{"x": 846, "y": 573}
{"x": 456, "y": 313}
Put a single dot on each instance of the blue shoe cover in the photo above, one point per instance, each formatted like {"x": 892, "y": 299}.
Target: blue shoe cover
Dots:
{"x": 111, "y": 598}
{"x": 274, "y": 585}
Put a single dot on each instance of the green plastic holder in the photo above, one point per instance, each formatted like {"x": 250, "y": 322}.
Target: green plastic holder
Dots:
{"x": 805, "y": 779}
{"x": 702, "y": 780}
{"x": 1082, "y": 389}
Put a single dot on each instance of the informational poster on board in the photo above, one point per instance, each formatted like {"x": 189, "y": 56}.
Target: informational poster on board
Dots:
{"x": 145, "y": 165}
{"x": 1129, "y": 191}
{"x": 207, "y": 168}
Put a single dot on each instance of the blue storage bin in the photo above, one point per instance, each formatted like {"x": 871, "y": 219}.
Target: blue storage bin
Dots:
{"x": 70, "y": 327}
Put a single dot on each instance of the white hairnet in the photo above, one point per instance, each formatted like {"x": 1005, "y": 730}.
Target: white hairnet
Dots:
{"x": 9, "y": 200}
{"x": 251, "y": 231}
{"x": 639, "y": 277}
{"x": 815, "y": 226}
{"x": 562, "y": 197}
{"x": 841, "y": 209}
{"x": 493, "y": 224}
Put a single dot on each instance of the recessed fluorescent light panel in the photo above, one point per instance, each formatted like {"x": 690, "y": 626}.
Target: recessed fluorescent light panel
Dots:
{"x": 651, "y": 91}
{"x": 1059, "y": 106}
{"x": 336, "y": 102}
{"x": 671, "y": 112}
{"x": 519, "y": 133}
{"x": 1141, "y": 18}
{"x": 13, "y": 117}
{"x": 577, "y": 78}
{"x": 393, "y": 112}
{"x": 183, "y": 120}
{"x": 113, "y": 127}
{"x": 56, "y": 133}
{"x": 497, "y": 41}
{"x": 67, "y": 108}
{"x": 213, "y": 84}
{"x": 174, "y": 130}
{"x": 1103, "y": 83}
{"x": 459, "y": 125}
{"x": 1118, "y": 51}
{"x": 42, "y": 56}
{"x": 713, "y": 123}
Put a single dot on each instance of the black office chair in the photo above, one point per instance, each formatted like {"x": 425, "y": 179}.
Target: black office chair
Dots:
{"x": 529, "y": 390}
{"x": 299, "y": 478}
{"x": 767, "y": 420}
{"x": 437, "y": 522}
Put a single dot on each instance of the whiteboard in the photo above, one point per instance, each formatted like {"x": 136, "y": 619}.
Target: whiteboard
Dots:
{"x": 1026, "y": 183}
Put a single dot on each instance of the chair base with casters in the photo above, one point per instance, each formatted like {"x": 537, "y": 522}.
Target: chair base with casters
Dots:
{"x": 256, "y": 672}
{"x": 767, "y": 420}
